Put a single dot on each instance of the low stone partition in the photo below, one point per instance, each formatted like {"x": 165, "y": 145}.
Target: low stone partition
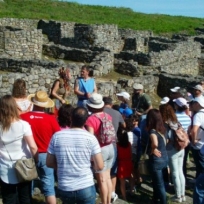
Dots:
{"x": 168, "y": 81}
{"x": 100, "y": 61}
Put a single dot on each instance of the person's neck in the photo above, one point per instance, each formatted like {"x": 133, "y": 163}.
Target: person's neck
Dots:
{"x": 37, "y": 108}
{"x": 73, "y": 127}
{"x": 108, "y": 106}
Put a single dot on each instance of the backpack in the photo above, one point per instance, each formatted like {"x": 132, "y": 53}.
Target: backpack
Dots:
{"x": 181, "y": 138}
{"x": 107, "y": 133}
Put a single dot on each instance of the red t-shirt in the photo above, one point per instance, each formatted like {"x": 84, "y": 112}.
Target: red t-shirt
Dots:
{"x": 43, "y": 127}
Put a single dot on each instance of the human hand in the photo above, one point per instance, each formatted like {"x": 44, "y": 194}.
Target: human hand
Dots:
{"x": 88, "y": 95}
{"x": 156, "y": 152}
{"x": 63, "y": 101}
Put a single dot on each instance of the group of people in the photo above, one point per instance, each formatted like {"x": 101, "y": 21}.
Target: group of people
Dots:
{"x": 100, "y": 140}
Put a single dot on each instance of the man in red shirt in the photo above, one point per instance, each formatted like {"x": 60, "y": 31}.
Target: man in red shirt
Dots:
{"x": 43, "y": 127}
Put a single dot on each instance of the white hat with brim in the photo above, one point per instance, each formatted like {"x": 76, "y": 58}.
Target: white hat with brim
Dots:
{"x": 181, "y": 102}
{"x": 175, "y": 89}
{"x": 200, "y": 100}
{"x": 138, "y": 86}
{"x": 95, "y": 101}
{"x": 198, "y": 87}
{"x": 41, "y": 99}
{"x": 124, "y": 94}
{"x": 165, "y": 100}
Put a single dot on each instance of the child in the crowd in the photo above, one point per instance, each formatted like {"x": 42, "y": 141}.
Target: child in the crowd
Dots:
{"x": 126, "y": 113}
{"x": 136, "y": 130}
{"x": 125, "y": 165}
{"x": 133, "y": 139}
{"x": 124, "y": 97}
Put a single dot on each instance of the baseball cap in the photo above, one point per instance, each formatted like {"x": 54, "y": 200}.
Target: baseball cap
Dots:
{"x": 164, "y": 100}
{"x": 124, "y": 94}
{"x": 198, "y": 87}
{"x": 200, "y": 100}
{"x": 138, "y": 86}
{"x": 175, "y": 89}
{"x": 127, "y": 112}
{"x": 181, "y": 102}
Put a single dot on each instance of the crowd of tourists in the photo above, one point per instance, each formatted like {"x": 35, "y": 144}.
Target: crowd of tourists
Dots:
{"x": 99, "y": 139}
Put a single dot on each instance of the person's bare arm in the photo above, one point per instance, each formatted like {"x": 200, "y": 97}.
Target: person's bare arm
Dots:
{"x": 98, "y": 161}
{"x": 51, "y": 161}
{"x": 76, "y": 89}
{"x": 154, "y": 145}
{"x": 32, "y": 146}
{"x": 54, "y": 92}
{"x": 193, "y": 134}
{"x": 90, "y": 129}
{"x": 149, "y": 108}
{"x": 95, "y": 88}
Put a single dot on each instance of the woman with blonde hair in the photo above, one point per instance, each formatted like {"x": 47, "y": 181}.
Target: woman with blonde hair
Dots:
{"x": 16, "y": 141}
{"x": 20, "y": 96}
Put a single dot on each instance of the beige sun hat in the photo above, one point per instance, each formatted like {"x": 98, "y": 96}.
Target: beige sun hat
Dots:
{"x": 41, "y": 99}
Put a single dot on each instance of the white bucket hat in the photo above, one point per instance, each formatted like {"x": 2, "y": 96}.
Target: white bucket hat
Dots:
{"x": 95, "y": 101}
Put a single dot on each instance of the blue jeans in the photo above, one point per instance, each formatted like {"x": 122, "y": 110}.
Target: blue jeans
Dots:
{"x": 159, "y": 192}
{"x": 199, "y": 161}
{"x": 176, "y": 169}
{"x": 198, "y": 194}
{"x": 83, "y": 196}
{"x": 46, "y": 176}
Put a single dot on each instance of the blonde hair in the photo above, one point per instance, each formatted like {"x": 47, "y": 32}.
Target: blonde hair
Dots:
{"x": 8, "y": 111}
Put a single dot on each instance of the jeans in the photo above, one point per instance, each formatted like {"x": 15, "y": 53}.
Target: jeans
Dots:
{"x": 199, "y": 161}
{"x": 176, "y": 169}
{"x": 159, "y": 192}
{"x": 198, "y": 194}
{"x": 186, "y": 150}
{"x": 9, "y": 192}
{"x": 82, "y": 196}
{"x": 46, "y": 176}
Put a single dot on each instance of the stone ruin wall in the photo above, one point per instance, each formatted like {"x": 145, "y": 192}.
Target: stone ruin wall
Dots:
{"x": 24, "y": 44}
{"x": 104, "y": 46}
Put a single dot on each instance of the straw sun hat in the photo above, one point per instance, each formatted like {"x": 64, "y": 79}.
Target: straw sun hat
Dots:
{"x": 40, "y": 98}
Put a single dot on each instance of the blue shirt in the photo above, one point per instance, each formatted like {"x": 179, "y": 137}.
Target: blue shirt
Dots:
{"x": 86, "y": 86}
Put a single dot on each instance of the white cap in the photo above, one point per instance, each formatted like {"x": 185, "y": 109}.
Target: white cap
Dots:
{"x": 198, "y": 87}
{"x": 165, "y": 100}
{"x": 181, "y": 102}
{"x": 138, "y": 86}
{"x": 175, "y": 89}
{"x": 200, "y": 100}
{"x": 124, "y": 94}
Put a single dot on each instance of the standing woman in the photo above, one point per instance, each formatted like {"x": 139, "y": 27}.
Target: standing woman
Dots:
{"x": 60, "y": 89}
{"x": 16, "y": 141}
{"x": 20, "y": 96}
{"x": 158, "y": 155}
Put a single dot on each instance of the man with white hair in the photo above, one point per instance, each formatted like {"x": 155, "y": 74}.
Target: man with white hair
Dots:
{"x": 141, "y": 102}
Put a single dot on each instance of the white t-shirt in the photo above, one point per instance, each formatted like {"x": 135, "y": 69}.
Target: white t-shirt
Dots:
{"x": 14, "y": 145}
{"x": 133, "y": 141}
{"x": 198, "y": 120}
{"x": 73, "y": 149}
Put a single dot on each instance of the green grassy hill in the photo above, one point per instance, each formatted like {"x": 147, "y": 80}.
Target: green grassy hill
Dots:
{"x": 123, "y": 17}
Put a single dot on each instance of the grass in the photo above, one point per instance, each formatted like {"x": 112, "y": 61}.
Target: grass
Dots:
{"x": 123, "y": 17}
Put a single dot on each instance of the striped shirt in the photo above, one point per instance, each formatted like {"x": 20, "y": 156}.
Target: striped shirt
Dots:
{"x": 184, "y": 119}
{"x": 73, "y": 149}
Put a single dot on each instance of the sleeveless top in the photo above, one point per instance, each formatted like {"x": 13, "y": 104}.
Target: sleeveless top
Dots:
{"x": 86, "y": 86}
{"x": 161, "y": 146}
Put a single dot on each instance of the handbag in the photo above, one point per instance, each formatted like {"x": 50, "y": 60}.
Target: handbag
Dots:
{"x": 26, "y": 169}
{"x": 143, "y": 165}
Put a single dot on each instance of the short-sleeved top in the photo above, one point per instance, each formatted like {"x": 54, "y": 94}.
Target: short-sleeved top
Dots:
{"x": 133, "y": 139}
{"x": 86, "y": 86}
{"x": 14, "y": 145}
{"x": 141, "y": 102}
{"x": 43, "y": 127}
{"x": 95, "y": 123}
{"x": 198, "y": 120}
{"x": 73, "y": 150}
{"x": 116, "y": 117}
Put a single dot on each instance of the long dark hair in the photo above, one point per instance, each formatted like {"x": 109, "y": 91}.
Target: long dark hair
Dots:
{"x": 167, "y": 113}
{"x": 123, "y": 139}
{"x": 155, "y": 121}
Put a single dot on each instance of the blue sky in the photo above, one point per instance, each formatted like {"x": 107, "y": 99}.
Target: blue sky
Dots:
{"x": 193, "y": 8}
